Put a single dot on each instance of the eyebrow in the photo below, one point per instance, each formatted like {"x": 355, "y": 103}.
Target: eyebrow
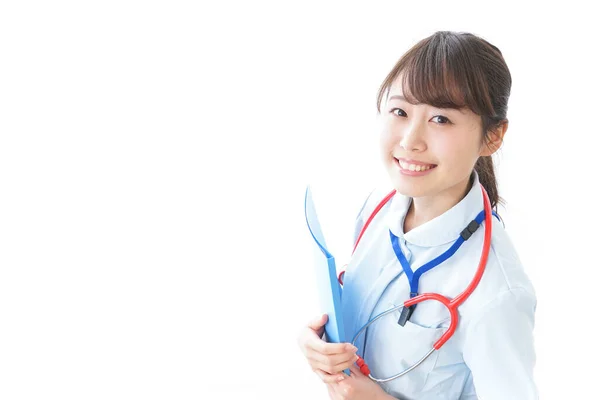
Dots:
{"x": 400, "y": 97}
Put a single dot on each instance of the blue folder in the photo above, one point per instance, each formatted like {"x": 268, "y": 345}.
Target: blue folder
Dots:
{"x": 329, "y": 289}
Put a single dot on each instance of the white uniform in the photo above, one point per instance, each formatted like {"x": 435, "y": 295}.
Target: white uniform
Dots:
{"x": 491, "y": 355}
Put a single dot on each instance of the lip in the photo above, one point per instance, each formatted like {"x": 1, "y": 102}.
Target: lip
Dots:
{"x": 413, "y": 173}
{"x": 409, "y": 161}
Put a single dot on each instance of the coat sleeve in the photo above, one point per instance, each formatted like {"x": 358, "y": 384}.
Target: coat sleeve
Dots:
{"x": 499, "y": 347}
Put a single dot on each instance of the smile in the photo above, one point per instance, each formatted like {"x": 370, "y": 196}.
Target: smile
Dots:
{"x": 415, "y": 167}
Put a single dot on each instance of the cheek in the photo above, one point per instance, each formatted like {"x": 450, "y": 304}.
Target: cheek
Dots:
{"x": 453, "y": 150}
{"x": 463, "y": 154}
{"x": 385, "y": 141}
{"x": 384, "y": 126}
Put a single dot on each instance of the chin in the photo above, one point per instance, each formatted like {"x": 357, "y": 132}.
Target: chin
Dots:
{"x": 411, "y": 186}
{"x": 409, "y": 189}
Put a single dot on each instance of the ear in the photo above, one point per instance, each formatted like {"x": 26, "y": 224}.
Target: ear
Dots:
{"x": 493, "y": 141}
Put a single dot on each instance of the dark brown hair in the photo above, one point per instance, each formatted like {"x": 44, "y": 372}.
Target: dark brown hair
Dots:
{"x": 457, "y": 70}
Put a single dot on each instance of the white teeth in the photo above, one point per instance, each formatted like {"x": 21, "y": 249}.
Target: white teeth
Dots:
{"x": 414, "y": 167}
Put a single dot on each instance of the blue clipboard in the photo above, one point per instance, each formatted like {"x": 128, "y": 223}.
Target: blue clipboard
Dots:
{"x": 329, "y": 289}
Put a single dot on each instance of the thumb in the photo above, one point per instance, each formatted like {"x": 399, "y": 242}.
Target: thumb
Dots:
{"x": 318, "y": 323}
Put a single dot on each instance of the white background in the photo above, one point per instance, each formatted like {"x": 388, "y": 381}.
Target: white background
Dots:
{"x": 153, "y": 161}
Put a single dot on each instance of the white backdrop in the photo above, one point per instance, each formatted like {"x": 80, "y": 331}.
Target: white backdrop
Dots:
{"x": 153, "y": 161}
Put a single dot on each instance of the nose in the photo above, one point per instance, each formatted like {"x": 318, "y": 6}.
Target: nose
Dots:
{"x": 412, "y": 137}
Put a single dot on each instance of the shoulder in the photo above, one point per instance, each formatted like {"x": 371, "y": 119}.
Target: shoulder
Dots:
{"x": 371, "y": 201}
{"x": 505, "y": 282}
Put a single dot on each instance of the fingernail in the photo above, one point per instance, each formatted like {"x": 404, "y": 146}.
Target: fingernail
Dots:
{"x": 355, "y": 358}
{"x": 341, "y": 378}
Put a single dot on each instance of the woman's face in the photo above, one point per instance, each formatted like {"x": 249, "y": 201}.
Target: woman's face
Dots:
{"x": 428, "y": 151}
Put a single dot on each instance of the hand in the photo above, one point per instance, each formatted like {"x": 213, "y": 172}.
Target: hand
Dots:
{"x": 327, "y": 360}
{"x": 356, "y": 387}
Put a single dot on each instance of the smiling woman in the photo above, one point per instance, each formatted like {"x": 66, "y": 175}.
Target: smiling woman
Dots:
{"x": 443, "y": 113}
{"x": 460, "y": 85}
{"x": 421, "y": 138}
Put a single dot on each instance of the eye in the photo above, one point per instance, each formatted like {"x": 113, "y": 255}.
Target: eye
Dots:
{"x": 444, "y": 120}
{"x": 393, "y": 111}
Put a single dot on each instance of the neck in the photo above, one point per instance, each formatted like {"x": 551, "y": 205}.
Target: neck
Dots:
{"x": 424, "y": 209}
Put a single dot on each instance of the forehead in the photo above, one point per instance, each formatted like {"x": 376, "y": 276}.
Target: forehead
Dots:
{"x": 396, "y": 87}
{"x": 396, "y": 93}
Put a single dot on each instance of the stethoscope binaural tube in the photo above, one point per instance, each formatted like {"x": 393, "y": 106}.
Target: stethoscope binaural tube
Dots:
{"x": 451, "y": 305}
{"x": 364, "y": 368}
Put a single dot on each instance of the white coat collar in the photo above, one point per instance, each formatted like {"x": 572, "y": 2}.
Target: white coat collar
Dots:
{"x": 444, "y": 228}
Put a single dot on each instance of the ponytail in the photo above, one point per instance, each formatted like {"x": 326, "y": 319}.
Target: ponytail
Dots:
{"x": 485, "y": 169}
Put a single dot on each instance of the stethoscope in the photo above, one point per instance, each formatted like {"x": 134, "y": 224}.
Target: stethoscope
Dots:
{"x": 408, "y": 306}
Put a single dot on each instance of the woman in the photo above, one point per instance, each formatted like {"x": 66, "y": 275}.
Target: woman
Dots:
{"x": 443, "y": 111}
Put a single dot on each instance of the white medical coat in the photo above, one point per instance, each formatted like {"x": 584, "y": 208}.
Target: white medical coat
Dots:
{"x": 491, "y": 355}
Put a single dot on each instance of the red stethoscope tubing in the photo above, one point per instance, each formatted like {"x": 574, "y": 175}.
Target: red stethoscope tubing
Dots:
{"x": 451, "y": 305}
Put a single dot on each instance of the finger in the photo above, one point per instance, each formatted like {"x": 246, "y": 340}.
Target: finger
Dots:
{"x": 329, "y": 363}
{"x": 310, "y": 340}
{"x": 330, "y": 369}
{"x": 329, "y": 378}
{"x": 323, "y": 347}
{"x": 318, "y": 322}
{"x": 354, "y": 370}
{"x": 332, "y": 359}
